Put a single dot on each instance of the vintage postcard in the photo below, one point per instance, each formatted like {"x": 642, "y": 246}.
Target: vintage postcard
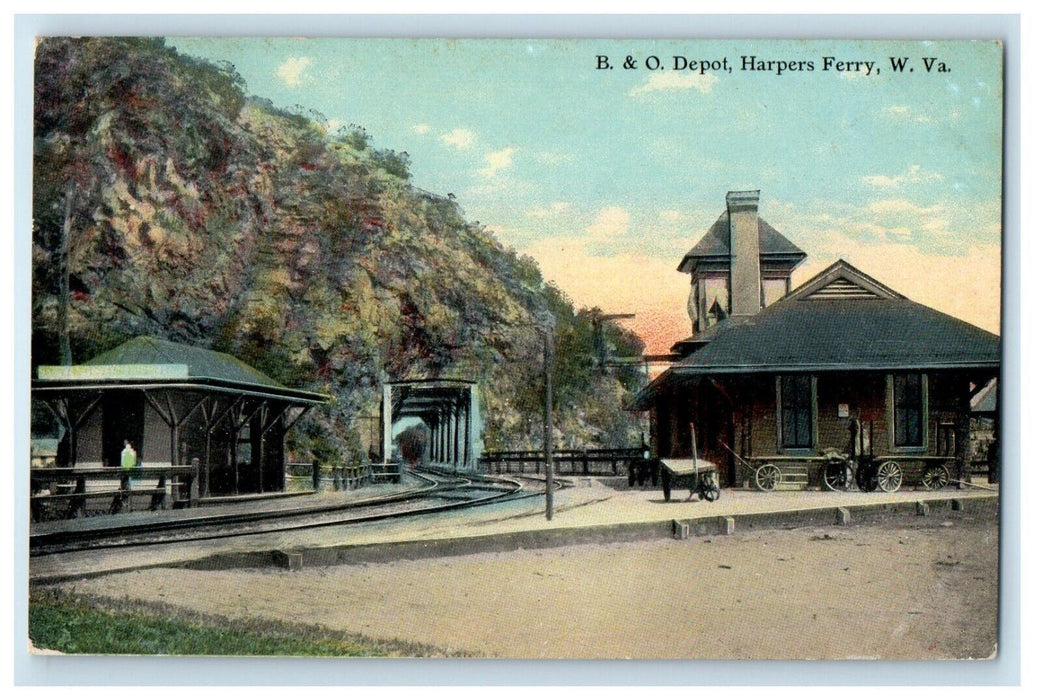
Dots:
{"x": 520, "y": 349}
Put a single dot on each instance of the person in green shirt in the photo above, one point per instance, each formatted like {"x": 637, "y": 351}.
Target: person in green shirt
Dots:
{"x": 128, "y": 457}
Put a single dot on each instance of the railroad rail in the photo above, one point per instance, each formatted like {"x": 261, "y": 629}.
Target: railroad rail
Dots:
{"x": 448, "y": 491}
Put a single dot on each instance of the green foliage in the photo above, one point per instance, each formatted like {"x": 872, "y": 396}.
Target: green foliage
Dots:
{"x": 203, "y": 215}
{"x": 74, "y": 626}
{"x": 393, "y": 162}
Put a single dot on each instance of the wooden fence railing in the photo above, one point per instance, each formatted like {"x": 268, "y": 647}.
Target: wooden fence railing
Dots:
{"x": 340, "y": 477}
{"x": 592, "y": 462}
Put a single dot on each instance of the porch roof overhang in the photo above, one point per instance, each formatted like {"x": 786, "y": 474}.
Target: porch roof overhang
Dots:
{"x": 685, "y": 376}
{"x": 147, "y": 363}
{"x": 154, "y": 364}
{"x": 43, "y": 388}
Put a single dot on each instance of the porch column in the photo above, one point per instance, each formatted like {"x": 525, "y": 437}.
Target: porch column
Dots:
{"x": 995, "y": 449}
{"x": 962, "y": 432}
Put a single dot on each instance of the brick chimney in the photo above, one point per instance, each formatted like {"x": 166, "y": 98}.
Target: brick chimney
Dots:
{"x": 745, "y": 251}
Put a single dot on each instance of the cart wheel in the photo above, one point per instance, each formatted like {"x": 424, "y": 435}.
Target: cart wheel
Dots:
{"x": 936, "y": 477}
{"x": 838, "y": 477}
{"x": 666, "y": 479}
{"x": 767, "y": 477}
{"x": 710, "y": 491}
{"x": 889, "y": 476}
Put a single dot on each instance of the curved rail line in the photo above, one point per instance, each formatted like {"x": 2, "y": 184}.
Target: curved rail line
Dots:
{"x": 222, "y": 526}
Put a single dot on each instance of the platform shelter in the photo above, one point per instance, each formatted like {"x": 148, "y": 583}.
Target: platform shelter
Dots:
{"x": 175, "y": 403}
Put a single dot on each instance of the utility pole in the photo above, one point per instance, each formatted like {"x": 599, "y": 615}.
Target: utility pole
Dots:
{"x": 548, "y": 435}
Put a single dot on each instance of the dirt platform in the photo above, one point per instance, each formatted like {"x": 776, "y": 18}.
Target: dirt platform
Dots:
{"x": 896, "y": 587}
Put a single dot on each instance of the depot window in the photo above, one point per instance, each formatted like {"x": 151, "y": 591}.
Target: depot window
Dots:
{"x": 909, "y": 410}
{"x": 796, "y": 408}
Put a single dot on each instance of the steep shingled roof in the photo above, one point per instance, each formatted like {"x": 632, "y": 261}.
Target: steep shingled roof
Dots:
{"x": 717, "y": 243}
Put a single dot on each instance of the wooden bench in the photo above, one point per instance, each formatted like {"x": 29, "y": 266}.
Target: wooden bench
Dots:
{"x": 176, "y": 486}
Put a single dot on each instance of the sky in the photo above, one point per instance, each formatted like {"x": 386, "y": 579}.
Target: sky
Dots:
{"x": 606, "y": 177}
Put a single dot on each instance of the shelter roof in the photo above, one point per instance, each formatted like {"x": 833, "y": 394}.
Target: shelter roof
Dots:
{"x": 151, "y": 362}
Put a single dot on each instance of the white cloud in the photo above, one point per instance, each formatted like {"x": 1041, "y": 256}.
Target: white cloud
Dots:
{"x": 673, "y": 82}
{"x": 459, "y": 138}
{"x": 913, "y": 176}
{"x": 611, "y": 222}
{"x": 889, "y": 220}
{"x": 887, "y": 207}
{"x": 293, "y": 71}
{"x": 421, "y": 129}
{"x": 944, "y": 253}
{"x": 496, "y": 161}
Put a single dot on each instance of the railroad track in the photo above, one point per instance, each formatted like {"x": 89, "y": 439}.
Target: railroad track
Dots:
{"x": 439, "y": 492}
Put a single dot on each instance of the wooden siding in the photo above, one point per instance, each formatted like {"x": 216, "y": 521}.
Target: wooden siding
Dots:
{"x": 751, "y": 408}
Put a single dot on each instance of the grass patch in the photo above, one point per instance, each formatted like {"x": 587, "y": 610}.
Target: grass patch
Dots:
{"x": 92, "y": 625}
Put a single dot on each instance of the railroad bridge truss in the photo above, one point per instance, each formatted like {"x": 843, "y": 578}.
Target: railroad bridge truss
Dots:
{"x": 447, "y": 408}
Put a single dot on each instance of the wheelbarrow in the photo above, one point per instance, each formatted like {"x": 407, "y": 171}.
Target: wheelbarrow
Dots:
{"x": 701, "y": 478}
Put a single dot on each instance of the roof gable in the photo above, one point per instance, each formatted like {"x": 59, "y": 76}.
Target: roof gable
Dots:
{"x": 841, "y": 280}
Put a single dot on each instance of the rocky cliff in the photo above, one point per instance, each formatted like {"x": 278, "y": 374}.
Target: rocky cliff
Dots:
{"x": 169, "y": 202}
